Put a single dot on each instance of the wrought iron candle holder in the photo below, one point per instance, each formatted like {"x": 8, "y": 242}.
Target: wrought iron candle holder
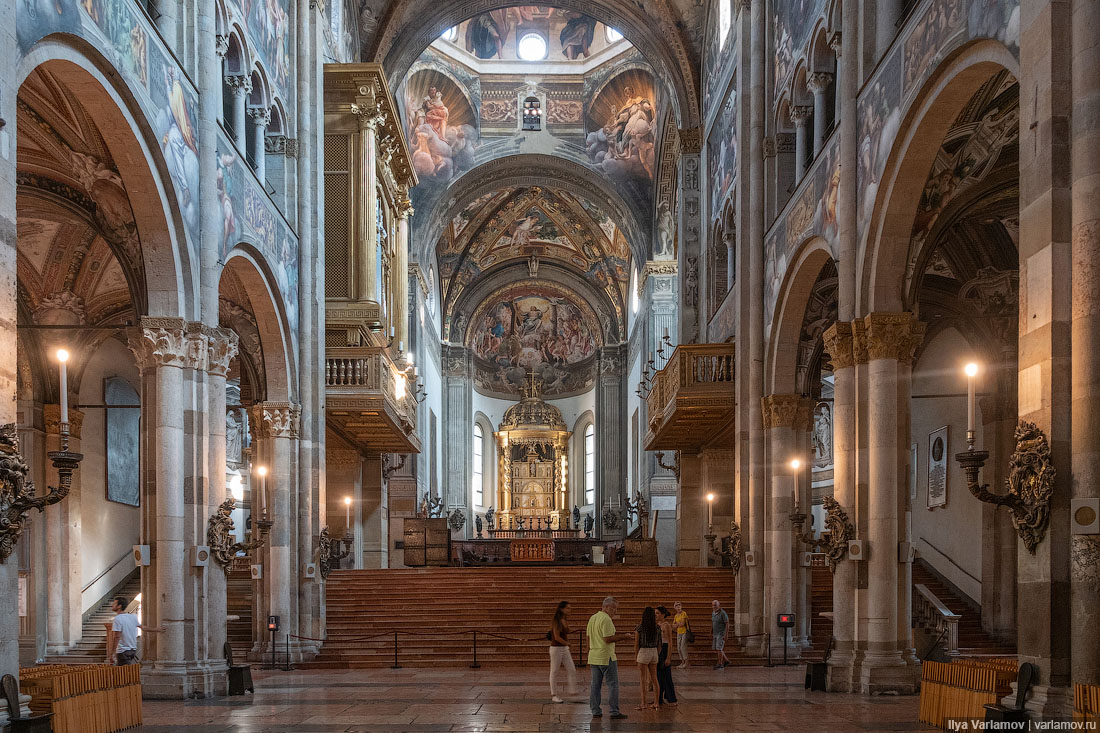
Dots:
{"x": 219, "y": 535}
{"x": 834, "y": 539}
{"x": 329, "y": 554}
{"x": 17, "y": 495}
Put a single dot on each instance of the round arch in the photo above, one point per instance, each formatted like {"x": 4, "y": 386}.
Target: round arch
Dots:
{"x": 781, "y": 358}
{"x": 410, "y": 27}
{"x": 170, "y": 284}
{"x": 881, "y": 264}
{"x": 280, "y": 377}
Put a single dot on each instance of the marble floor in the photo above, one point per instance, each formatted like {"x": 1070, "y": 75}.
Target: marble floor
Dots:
{"x": 517, "y": 699}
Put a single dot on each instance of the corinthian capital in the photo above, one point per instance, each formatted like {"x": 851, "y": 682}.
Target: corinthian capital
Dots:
{"x": 221, "y": 347}
{"x": 371, "y": 116}
{"x": 158, "y": 342}
{"x": 893, "y": 336}
{"x": 800, "y": 113}
{"x": 780, "y": 410}
{"x": 276, "y": 419}
{"x": 818, "y": 82}
{"x": 838, "y": 344}
{"x": 239, "y": 84}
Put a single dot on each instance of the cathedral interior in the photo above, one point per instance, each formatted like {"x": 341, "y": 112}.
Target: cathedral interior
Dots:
{"x": 312, "y": 311}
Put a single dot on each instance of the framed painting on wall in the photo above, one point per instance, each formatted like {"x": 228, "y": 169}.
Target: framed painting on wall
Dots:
{"x": 937, "y": 468}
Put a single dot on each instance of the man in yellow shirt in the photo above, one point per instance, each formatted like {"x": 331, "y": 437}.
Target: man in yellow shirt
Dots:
{"x": 601, "y": 658}
{"x": 680, "y": 621}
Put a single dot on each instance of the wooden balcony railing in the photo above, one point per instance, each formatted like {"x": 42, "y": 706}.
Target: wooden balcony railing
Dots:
{"x": 692, "y": 397}
{"x": 369, "y": 399}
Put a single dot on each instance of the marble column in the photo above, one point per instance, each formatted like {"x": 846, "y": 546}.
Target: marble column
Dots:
{"x": 241, "y": 86}
{"x": 261, "y": 118}
{"x": 376, "y": 531}
{"x": 780, "y": 413}
{"x": 370, "y": 117}
{"x": 803, "y": 502}
{"x": 1045, "y": 319}
{"x": 611, "y": 423}
{"x": 691, "y": 512}
{"x": 799, "y": 115}
{"x": 401, "y": 270}
{"x": 63, "y": 531}
{"x": 357, "y": 497}
{"x": 729, "y": 238}
{"x": 891, "y": 337}
{"x": 161, "y": 348}
{"x": 1085, "y": 132}
{"x": 817, "y": 84}
{"x": 838, "y": 345}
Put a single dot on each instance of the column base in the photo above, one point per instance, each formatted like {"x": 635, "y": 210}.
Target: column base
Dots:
{"x": 183, "y": 680}
{"x": 794, "y": 650}
{"x": 839, "y": 672}
{"x": 888, "y": 674}
{"x": 1045, "y": 702}
{"x": 755, "y": 647}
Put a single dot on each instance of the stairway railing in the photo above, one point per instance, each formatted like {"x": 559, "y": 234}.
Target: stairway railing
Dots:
{"x": 930, "y": 613}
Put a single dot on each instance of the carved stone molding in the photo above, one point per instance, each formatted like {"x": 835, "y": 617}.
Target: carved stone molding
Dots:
{"x": 859, "y": 342}
{"x": 781, "y": 410}
{"x": 221, "y": 45}
{"x": 769, "y": 147}
{"x": 276, "y": 419}
{"x": 893, "y": 336}
{"x": 691, "y": 140}
{"x": 221, "y": 347}
{"x": 838, "y": 345}
{"x": 1085, "y": 558}
{"x": 342, "y": 457}
{"x": 804, "y": 416}
{"x": 51, "y": 415}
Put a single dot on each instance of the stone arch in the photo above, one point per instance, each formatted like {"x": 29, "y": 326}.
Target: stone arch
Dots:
{"x": 408, "y": 28}
{"x": 881, "y": 264}
{"x": 167, "y": 269}
{"x": 275, "y": 340}
{"x": 782, "y": 357}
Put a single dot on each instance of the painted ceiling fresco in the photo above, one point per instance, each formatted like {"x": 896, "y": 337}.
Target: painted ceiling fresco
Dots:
{"x": 442, "y": 126}
{"x": 534, "y": 225}
{"x": 622, "y": 127}
{"x": 533, "y": 326}
{"x": 571, "y": 35}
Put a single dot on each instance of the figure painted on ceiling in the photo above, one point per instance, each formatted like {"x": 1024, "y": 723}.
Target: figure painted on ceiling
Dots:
{"x": 576, "y": 37}
{"x": 436, "y": 112}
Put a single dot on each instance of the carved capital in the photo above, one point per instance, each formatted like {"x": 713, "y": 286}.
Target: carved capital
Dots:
{"x": 769, "y": 147}
{"x": 835, "y": 39}
{"x": 691, "y": 140}
{"x": 261, "y": 116}
{"x": 221, "y": 45}
{"x": 51, "y": 414}
{"x": 239, "y": 84}
{"x": 838, "y": 344}
{"x": 370, "y": 115}
{"x": 404, "y": 206}
{"x": 221, "y": 347}
{"x": 804, "y": 415}
{"x": 275, "y": 144}
{"x": 158, "y": 342}
{"x": 800, "y": 113}
{"x": 893, "y": 336}
{"x": 859, "y": 342}
{"x": 780, "y": 410}
{"x": 818, "y": 82}
{"x": 276, "y": 419}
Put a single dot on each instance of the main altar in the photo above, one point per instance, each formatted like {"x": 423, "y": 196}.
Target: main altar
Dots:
{"x": 533, "y": 455}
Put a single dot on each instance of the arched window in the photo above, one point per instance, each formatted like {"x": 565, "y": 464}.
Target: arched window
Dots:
{"x": 590, "y": 464}
{"x": 479, "y": 466}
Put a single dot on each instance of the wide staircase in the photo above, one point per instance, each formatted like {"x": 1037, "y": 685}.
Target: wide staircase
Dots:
{"x": 973, "y": 640}
{"x": 435, "y": 611}
{"x": 92, "y": 647}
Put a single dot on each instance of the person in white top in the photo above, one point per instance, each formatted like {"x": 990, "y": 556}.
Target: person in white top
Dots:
{"x": 122, "y": 645}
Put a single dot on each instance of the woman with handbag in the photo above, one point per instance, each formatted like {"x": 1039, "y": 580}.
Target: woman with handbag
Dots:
{"x": 559, "y": 652}
{"x": 684, "y": 634}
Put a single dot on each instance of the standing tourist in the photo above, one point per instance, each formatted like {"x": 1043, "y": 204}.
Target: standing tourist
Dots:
{"x": 122, "y": 644}
{"x": 719, "y": 627}
{"x": 680, "y": 621}
{"x": 667, "y": 694}
{"x": 559, "y": 652}
{"x": 601, "y": 658}
{"x": 647, "y": 639}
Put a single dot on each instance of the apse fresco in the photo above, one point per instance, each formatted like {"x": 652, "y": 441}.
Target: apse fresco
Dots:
{"x": 166, "y": 97}
{"x": 622, "y": 127}
{"x": 442, "y": 126}
{"x": 722, "y": 153}
{"x": 570, "y": 35}
{"x": 533, "y": 327}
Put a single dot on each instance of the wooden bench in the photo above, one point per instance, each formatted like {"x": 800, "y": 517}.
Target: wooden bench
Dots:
{"x": 33, "y": 724}
{"x": 240, "y": 675}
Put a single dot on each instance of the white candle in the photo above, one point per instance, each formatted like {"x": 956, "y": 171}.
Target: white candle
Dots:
{"x": 262, "y": 470}
{"x": 347, "y": 512}
{"x": 710, "y": 509}
{"x": 795, "y": 465}
{"x": 391, "y": 331}
{"x": 971, "y": 372}
{"x": 666, "y": 332}
{"x": 62, "y": 359}
{"x": 400, "y": 346}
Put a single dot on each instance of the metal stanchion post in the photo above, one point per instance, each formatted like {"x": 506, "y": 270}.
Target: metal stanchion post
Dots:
{"x": 286, "y": 667}
{"x": 475, "y": 665}
{"x": 395, "y": 664}
{"x": 768, "y": 643}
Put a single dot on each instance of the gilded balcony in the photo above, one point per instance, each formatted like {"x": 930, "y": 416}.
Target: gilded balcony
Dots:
{"x": 691, "y": 404}
{"x": 370, "y": 402}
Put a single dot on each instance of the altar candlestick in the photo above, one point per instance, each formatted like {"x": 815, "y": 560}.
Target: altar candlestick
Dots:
{"x": 262, "y": 470}
{"x": 347, "y": 512}
{"x": 62, "y": 359}
{"x": 971, "y": 372}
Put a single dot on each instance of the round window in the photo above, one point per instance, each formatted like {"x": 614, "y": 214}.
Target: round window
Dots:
{"x": 532, "y": 47}
{"x": 613, "y": 35}
{"x": 450, "y": 34}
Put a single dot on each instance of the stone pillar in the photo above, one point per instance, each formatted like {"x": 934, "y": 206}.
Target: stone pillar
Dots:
{"x": 891, "y": 337}
{"x": 803, "y": 502}
{"x": 688, "y": 226}
{"x": 458, "y": 423}
{"x": 838, "y": 345}
{"x": 611, "y": 423}
{"x": 261, "y": 118}
{"x": 799, "y": 115}
{"x": 357, "y": 498}
{"x": 63, "y": 531}
{"x": 277, "y": 427}
{"x": 729, "y": 238}
{"x": 222, "y": 347}
{"x": 162, "y": 350}
{"x": 1085, "y": 131}
{"x": 241, "y": 86}
{"x": 691, "y": 512}
{"x": 401, "y": 270}
{"x": 370, "y": 117}
{"x": 817, "y": 84}
{"x": 1045, "y": 318}
{"x": 375, "y": 513}
{"x": 780, "y": 412}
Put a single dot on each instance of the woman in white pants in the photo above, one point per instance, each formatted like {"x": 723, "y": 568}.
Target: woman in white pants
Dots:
{"x": 559, "y": 652}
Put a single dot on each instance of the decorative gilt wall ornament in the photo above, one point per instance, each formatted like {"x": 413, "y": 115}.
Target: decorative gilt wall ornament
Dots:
{"x": 1029, "y": 485}
{"x": 219, "y": 535}
{"x": 17, "y": 495}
